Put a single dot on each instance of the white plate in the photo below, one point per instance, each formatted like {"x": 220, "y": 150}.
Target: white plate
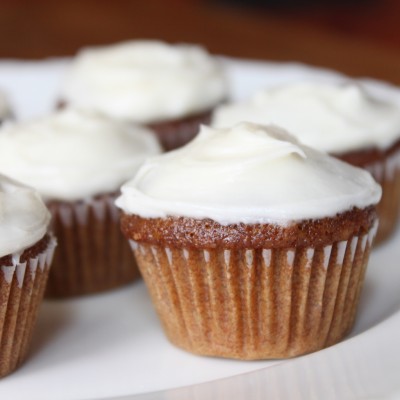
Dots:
{"x": 111, "y": 345}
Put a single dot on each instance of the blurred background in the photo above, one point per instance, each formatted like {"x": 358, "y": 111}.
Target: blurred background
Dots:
{"x": 357, "y": 37}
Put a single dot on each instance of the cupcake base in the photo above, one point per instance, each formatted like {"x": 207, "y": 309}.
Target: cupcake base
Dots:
{"x": 254, "y": 303}
{"x": 92, "y": 255}
{"x": 387, "y": 174}
{"x": 22, "y": 285}
{"x": 176, "y": 133}
{"x": 384, "y": 166}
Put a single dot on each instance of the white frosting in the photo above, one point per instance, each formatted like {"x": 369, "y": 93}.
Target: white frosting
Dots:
{"x": 249, "y": 173}
{"x": 145, "y": 81}
{"x": 23, "y": 217}
{"x": 73, "y": 155}
{"x": 332, "y": 118}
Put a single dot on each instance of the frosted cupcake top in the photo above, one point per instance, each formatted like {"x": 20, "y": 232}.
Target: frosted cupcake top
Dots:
{"x": 73, "y": 155}
{"x": 332, "y": 118}
{"x": 145, "y": 81}
{"x": 23, "y": 217}
{"x": 249, "y": 173}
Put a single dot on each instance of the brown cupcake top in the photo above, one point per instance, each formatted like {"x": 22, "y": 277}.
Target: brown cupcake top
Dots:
{"x": 28, "y": 253}
{"x": 368, "y": 156}
{"x": 206, "y": 233}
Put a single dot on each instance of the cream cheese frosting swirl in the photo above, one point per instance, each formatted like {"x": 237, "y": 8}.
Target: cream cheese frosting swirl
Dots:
{"x": 248, "y": 173}
{"x": 332, "y": 118}
{"x": 72, "y": 155}
{"x": 145, "y": 81}
{"x": 23, "y": 217}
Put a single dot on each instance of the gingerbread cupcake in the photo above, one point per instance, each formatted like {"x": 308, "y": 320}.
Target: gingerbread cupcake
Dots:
{"x": 252, "y": 246}
{"x": 26, "y": 250}
{"x": 170, "y": 88}
{"x": 77, "y": 161}
{"x": 344, "y": 120}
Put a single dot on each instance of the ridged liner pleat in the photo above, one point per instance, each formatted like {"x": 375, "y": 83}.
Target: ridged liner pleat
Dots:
{"x": 387, "y": 174}
{"x": 21, "y": 291}
{"x": 92, "y": 255}
{"x": 256, "y": 303}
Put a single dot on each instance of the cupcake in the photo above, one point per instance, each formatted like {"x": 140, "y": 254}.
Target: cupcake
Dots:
{"x": 26, "y": 250}
{"x": 252, "y": 246}
{"x": 77, "y": 161}
{"x": 343, "y": 120}
{"x": 170, "y": 88}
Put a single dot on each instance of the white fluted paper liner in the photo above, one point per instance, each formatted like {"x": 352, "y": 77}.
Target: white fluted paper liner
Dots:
{"x": 93, "y": 255}
{"x": 256, "y": 303}
{"x": 387, "y": 169}
{"x": 79, "y": 212}
{"x": 22, "y": 286}
{"x": 387, "y": 173}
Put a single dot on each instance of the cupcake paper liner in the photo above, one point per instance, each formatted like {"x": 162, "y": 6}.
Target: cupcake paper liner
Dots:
{"x": 22, "y": 286}
{"x": 175, "y": 134}
{"x": 92, "y": 255}
{"x": 387, "y": 174}
{"x": 256, "y": 303}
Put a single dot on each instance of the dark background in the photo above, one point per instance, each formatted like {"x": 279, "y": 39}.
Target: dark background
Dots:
{"x": 358, "y": 37}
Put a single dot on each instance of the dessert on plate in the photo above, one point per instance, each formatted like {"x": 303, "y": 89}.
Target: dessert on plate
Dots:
{"x": 252, "y": 245}
{"x": 343, "y": 120}
{"x": 26, "y": 250}
{"x": 77, "y": 161}
{"x": 170, "y": 88}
